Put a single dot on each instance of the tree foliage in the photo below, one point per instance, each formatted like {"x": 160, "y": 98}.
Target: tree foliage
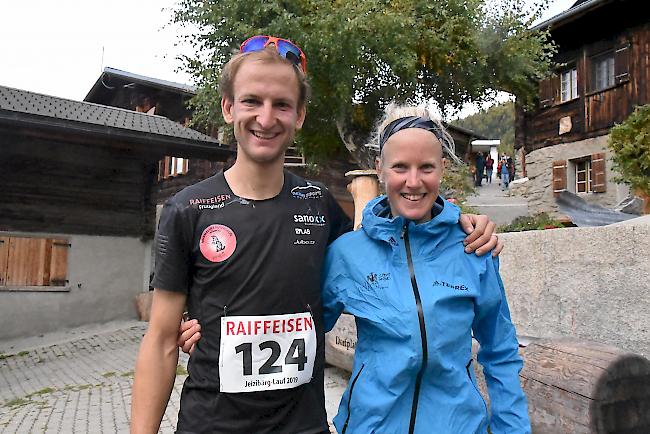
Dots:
{"x": 496, "y": 122}
{"x": 630, "y": 142}
{"x": 363, "y": 54}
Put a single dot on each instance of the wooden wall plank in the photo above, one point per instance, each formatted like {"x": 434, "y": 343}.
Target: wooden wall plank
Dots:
{"x": 4, "y": 256}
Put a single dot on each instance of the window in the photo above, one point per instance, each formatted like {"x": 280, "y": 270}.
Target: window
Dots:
{"x": 569, "y": 85}
{"x": 170, "y": 167}
{"x": 293, "y": 157}
{"x": 602, "y": 71}
{"x": 583, "y": 176}
{"x": 28, "y": 263}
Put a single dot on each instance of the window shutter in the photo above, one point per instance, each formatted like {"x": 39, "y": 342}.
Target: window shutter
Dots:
{"x": 546, "y": 92}
{"x": 26, "y": 261}
{"x": 598, "y": 173}
{"x": 4, "y": 256}
{"x": 559, "y": 176}
{"x": 555, "y": 89}
{"x": 622, "y": 63}
{"x": 59, "y": 263}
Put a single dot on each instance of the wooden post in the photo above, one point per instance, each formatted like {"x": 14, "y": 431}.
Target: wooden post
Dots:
{"x": 363, "y": 187}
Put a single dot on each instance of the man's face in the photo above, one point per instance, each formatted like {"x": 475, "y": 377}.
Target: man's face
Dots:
{"x": 264, "y": 110}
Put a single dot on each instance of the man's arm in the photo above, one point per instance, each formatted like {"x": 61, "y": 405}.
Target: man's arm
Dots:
{"x": 155, "y": 367}
{"x": 481, "y": 234}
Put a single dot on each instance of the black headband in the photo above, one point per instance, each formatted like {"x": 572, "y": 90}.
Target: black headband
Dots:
{"x": 410, "y": 122}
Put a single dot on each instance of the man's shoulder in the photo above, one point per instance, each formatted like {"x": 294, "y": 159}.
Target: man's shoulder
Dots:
{"x": 208, "y": 190}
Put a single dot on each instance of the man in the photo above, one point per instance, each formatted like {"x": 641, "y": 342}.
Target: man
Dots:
{"x": 244, "y": 249}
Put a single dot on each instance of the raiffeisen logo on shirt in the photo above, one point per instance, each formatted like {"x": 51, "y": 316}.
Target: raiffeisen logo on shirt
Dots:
{"x": 449, "y": 285}
{"x": 309, "y": 220}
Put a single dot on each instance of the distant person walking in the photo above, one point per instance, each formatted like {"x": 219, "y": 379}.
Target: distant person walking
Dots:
{"x": 511, "y": 169}
{"x": 489, "y": 165}
{"x": 480, "y": 168}
{"x": 505, "y": 174}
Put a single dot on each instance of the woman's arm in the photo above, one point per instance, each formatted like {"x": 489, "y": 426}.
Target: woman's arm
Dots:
{"x": 499, "y": 355}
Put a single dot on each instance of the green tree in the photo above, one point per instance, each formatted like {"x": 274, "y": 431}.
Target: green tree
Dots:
{"x": 363, "y": 54}
{"x": 630, "y": 142}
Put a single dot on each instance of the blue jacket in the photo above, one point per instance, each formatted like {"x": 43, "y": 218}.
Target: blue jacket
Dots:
{"x": 403, "y": 281}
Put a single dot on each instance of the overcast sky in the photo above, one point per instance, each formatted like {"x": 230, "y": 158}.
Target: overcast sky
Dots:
{"x": 59, "y": 47}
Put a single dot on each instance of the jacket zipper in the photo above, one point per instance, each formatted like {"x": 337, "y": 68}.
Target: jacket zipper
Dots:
{"x": 347, "y": 419}
{"x": 423, "y": 330}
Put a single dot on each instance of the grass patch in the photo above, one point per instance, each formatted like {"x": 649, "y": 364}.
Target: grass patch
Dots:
{"x": 534, "y": 222}
{"x": 77, "y": 387}
{"x": 23, "y": 353}
{"x": 108, "y": 374}
{"x": 5, "y": 356}
{"x": 127, "y": 374}
{"x": 180, "y": 370}
{"x": 43, "y": 391}
{"x": 18, "y": 402}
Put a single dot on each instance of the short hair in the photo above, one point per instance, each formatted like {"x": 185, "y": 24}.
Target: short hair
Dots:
{"x": 267, "y": 55}
{"x": 396, "y": 111}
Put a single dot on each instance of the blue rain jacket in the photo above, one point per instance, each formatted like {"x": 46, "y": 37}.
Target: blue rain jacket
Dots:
{"x": 402, "y": 281}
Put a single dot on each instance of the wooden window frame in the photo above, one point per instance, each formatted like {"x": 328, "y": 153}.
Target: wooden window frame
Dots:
{"x": 573, "y": 80}
{"x": 595, "y": 171}
{"x": 609, "y": 59}
{"x": 580, "y": 166}
{"x": 34, "y": 263}
{"x": 171, "y": 167}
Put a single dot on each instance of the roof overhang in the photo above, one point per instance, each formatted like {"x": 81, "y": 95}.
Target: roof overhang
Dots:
{"x": 151, "y": 145}
{"x": 572, "y": 14}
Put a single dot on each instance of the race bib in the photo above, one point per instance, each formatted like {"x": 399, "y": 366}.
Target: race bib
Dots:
{"x": 267, "y": 352}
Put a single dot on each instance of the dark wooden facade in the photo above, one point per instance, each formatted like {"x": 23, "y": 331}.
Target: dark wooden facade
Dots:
{"x": 583, "y": 35}
{"x": 69, "y": 187}
{"x": 77, "y": 168}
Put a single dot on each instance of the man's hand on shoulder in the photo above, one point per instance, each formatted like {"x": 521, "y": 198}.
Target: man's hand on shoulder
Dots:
{"x": 481, "y": 236}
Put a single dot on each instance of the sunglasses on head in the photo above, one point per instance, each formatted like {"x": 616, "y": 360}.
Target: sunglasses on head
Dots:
{"x": 285, "y": 47}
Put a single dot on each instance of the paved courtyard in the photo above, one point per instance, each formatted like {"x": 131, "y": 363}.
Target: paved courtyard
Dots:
{"x": 79, "y": 381}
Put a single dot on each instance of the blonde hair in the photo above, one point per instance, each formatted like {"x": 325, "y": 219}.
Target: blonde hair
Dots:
{"x": 395, "y": 111}
{"x": 267, "y": 55}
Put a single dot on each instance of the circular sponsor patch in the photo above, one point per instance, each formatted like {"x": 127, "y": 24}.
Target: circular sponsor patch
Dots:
{"x": 218, "y": 243}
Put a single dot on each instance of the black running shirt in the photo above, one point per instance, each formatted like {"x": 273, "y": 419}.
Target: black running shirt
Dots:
{"x": 257, "y": 265}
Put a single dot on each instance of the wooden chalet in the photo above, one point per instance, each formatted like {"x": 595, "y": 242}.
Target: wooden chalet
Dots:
{"x": 601, "y": 76}
{"x": 77, "y": 213}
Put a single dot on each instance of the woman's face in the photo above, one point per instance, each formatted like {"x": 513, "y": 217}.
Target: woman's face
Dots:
{"x": 411, "y": 168}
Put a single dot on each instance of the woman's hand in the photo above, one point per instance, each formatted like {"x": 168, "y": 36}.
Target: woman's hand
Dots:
{"x": 481, "y": 236}
{"x": 188, "y": 335}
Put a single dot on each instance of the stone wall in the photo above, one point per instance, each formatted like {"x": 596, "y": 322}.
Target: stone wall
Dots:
{"x": 538, "y": 190}
{"x": 105, "y": 274}
{"x": 588, "y": 283}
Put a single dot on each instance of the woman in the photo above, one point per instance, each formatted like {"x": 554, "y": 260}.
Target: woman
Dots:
{"x": 417, "y": 298}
